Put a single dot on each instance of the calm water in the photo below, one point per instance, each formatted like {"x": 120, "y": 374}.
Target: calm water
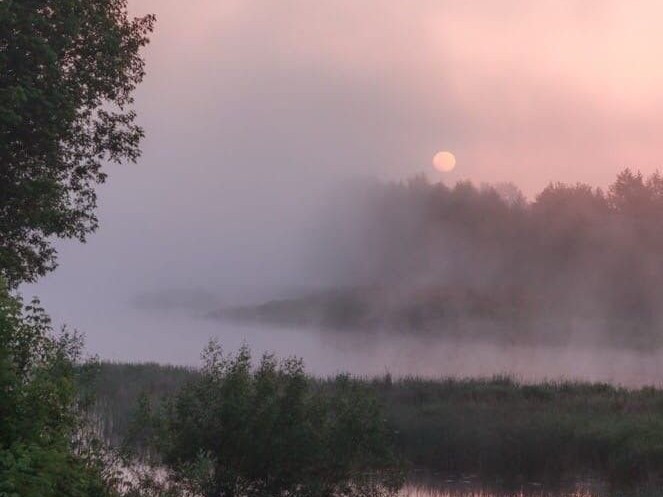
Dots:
{"x": 128, "y": 334}
{"x": 468, "y": 487}
{"x": 415, "y": 491}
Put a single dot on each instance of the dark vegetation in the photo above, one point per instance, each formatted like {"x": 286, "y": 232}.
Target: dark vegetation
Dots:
{"x": 123, "y": 386}
{"x": 498, "y": 428}
{"x": 236, "y": 430}
{"x": 464, "y": 261}
{"x": 44, "y": 450}
{"x": 67, "y": 72}
{"x": 502, "y": 429}
{"x": 68, "y": 69}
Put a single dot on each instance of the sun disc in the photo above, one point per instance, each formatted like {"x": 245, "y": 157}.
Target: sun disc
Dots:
{"x": 444, "y": 161}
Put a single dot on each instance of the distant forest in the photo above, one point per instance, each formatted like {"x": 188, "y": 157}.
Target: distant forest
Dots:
{"x": 574, "y": 262}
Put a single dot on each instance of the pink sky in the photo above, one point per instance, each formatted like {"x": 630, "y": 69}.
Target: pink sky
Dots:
{"x": 518, "y": 90}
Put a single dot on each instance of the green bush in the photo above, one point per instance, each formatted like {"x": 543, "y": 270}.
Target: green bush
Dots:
{"x": 43, "y": 451}
{"x": 271, "y": 431}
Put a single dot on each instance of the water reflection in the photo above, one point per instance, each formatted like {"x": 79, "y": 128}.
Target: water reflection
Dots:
{"x": 423, "y": 484}
{"x": 527, "y": 490}
{"x": 413, "y": 491}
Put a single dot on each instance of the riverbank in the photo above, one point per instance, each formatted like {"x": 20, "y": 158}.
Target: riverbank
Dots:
{"x": 502, "y": 429}
{"x": 496, "y": 428}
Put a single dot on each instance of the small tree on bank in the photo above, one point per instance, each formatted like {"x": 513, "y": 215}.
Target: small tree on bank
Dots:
{"x": 272, "y": 431}
{"x": 41, "y": 451}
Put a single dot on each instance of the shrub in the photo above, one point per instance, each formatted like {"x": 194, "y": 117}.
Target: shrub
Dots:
{"x": 272, "y": 431}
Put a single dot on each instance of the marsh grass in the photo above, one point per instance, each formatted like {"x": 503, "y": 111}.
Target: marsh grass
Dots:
{"x": 503, "y": 429}
{"x": 498, "y": 429}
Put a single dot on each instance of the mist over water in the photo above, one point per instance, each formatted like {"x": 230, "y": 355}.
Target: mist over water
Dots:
{"x": 125, "y": 333}
{"x": 451, "y": 300}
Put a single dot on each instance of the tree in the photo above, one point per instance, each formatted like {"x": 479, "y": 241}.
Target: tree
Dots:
{"x": 567, "y": 212}
{"x": 629, "y": 195}
{"x": 40, "y": 454}
{"x": 68, "y": 69}
{"x": 272, "y": 431}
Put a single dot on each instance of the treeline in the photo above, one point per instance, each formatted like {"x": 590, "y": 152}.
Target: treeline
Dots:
{"x": 573, "y": 248}
{"x": 574, "y": 262}
{"x": 497, "y": 428}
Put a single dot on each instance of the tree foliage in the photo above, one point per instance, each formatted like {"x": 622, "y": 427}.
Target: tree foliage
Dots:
{"x": 42, "y": 453}
{"x": 68, "y": 69}
{"x": 271, "y": 431}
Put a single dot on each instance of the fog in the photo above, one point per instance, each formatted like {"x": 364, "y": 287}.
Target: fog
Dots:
{"x": 123, "y": 334}
{"x": 258, "y": 115}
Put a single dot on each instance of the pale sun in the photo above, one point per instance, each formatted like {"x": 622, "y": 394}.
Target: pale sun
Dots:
{"x": 444, "y": 161}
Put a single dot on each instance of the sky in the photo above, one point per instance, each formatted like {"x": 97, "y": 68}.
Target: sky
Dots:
{"x": 255, "y": 111}
{"x": 528, "y": 91}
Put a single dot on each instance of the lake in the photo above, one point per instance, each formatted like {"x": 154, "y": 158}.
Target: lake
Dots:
{"x": 124, "y": 333}
{"x": 468, "y": 486}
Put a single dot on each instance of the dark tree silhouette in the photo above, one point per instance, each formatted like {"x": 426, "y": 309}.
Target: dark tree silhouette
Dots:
{"x": 68, "y": 69}
{"x": 441, "y": 258}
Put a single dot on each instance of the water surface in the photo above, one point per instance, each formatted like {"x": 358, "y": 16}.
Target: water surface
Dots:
{"x": 124, "y": 333}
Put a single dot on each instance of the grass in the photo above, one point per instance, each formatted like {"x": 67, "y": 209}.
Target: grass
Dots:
{"x": 497, "y": 428}
{"x": 500, "y": 428}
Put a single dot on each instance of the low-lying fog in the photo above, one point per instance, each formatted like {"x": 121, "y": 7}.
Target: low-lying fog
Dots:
{"x": 493, "y": 260}
{"x": 125, "y": 333}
